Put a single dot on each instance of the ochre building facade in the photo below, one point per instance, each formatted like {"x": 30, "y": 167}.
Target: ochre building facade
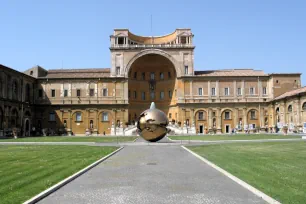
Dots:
{"x": 146, "y": 69}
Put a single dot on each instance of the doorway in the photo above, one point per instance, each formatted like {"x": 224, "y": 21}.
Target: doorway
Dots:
{"x": 201, "y": 129}
{"x": 227, "y": 128}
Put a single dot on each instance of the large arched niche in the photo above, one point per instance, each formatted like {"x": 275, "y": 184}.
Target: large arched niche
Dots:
{"x": 160, "y": 90}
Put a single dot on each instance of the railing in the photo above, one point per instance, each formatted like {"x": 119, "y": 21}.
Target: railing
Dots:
{"x": 76, "y": 100}
{"x": 117, "y": 46}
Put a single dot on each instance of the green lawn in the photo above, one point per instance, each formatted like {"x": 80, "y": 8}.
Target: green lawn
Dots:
{"x": 277, "y": 168}
{"x": 234, "y": 137}
{"x": 72, "y": 139}
{"x": 27, "y": 170}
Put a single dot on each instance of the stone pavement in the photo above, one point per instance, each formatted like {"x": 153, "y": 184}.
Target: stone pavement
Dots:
{"x": 152, "y": 174}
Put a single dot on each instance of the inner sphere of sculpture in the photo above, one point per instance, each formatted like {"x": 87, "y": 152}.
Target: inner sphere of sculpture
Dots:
{"x": 152, "y": 124}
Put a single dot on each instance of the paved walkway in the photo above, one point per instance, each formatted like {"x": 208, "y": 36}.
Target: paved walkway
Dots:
{"x": 152, "y": 174}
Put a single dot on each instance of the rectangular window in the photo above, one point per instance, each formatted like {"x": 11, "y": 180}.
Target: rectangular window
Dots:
{"x": 53, "y": 93}
{"x": 170, "y": 94}
{"x": 135, "y": 75}
{"x": 78, "y": 93}
{"x": 129, "y": 94}
{"x": 65, "y": 92}
{"x": 186, "y": 69}
{"x": 264, "y": 90}
{"x": 213, "y": 91}
{"x": 162, "y": 95}
{"x": 104, "y": 92}
{"x": 40, "y": 93}
{"x": 91, "y": 92}
{"x": 52, "y": 116}
{"x": 253, "y": 115}
{"x": 117, "y": 70}
{"x": 152, "y": 76}
{"x": 169, "y": 75}
{"x": 227, "y": 115}
{"x": 226, "y": 91}
{"x": 135, "y": 94}
{"x": 161, "y": 76}
{"x": 239, "y": 93}
{"x": 104, "y": 116}
{"x": 252, "y": 91}
{"x": 78, "y": 117}
{"x": 201, "y": 116}
{"x": 143, "y": 76}
{"x": 200, "y": 91}
{"x": 152, "y": 95}
{"x": 170, "y": 115}
{"x": 143, "y": 95}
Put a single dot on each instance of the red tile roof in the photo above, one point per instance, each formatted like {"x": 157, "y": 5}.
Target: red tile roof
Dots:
{"x": 292, "y": 93}
{"x": 78, "y": 73}
{"x": 231, "y": 72}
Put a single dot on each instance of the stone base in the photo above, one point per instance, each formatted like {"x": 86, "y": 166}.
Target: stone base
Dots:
{"x": 219, "y": 131}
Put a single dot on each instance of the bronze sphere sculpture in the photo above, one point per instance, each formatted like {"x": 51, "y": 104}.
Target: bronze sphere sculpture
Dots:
{"x": 152, "y": 124}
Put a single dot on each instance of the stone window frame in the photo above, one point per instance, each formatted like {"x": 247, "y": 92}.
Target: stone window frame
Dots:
{"x": 200, "y": 93}
{"x": 105, "y": 117}
{"x": 78, "y": 117}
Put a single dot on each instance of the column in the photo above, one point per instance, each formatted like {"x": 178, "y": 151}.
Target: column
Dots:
{"x": 262, "y": 118}
{"x": 298, "y": 112}
{"x": 217, "y": 89}
{"x": 208, "y": 90}
{"x": 242, "y": 88}
{"x": 191, "y": 85}
{"x": 209, "y": 119}
{"x": 236, "y": 121}
{"x": 245, "y": 117}
{"x": 235, "y": 89}
{"x": 219, "y": 120}
{"x": 192, "y": 117}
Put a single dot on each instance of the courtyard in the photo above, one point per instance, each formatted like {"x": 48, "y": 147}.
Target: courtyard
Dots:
{"x": 161, "y": 172}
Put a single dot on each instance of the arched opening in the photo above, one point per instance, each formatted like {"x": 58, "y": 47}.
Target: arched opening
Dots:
{"x": 201, "y": 121}
{"x": 290, "y": 109}
{"x": 227, "y": 122}
{"x": 304, "y": 106}
{"x": 277, "y": 115}
{"x": 14, "y": 119}
{"x": 105, "y": 120}
{"x": 253, "y": 119}
{"x": 78, "y": 126}
{"x": 152, "y": 78}
{"x": 27, "y": 128}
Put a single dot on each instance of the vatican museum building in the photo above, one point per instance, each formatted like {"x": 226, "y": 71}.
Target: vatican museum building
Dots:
{"x": 157, "y": 69}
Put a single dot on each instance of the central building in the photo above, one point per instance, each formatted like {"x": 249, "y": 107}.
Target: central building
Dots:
{"x": 156, "y": 69}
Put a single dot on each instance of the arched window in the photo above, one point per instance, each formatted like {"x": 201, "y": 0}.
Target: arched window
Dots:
{"x": 277, "y": 110}
{"x": 304, "y": 106}
{"x": 78, "y": 116}
{"x": 91, "y": 124}
{"x": 290, "y": 108}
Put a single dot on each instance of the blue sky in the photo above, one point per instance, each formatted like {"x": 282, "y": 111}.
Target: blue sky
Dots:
{"x": 262, "y": 34}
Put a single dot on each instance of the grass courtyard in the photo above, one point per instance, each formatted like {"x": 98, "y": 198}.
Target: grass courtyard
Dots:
{"x": 234, "y": 137}
{"x": 27, "y": 170}
{"x": 72, "y": 139}
{"x": 276, "y": 168}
